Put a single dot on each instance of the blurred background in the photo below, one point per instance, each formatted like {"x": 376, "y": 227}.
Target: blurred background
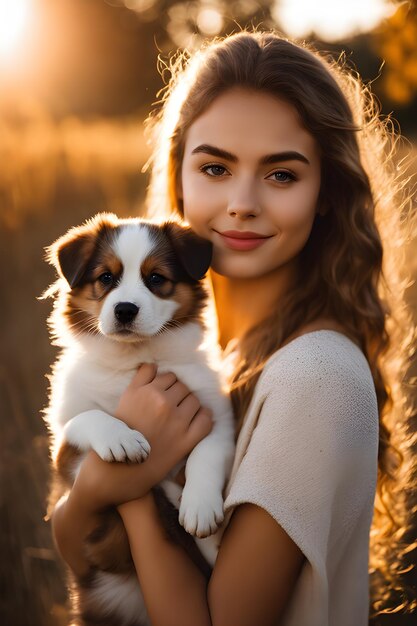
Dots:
{"x": 77, "y": 79}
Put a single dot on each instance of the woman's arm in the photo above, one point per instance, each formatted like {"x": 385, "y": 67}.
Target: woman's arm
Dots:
{"x": 174, "y": 589}
{"x": 256, "y": 570}
{"x": 98, "y": 485}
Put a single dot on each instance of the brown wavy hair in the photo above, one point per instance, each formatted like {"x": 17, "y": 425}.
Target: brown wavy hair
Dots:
{"x": 352, "y": 266}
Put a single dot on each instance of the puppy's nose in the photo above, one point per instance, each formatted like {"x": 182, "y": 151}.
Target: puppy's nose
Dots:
{"x": 125, "y": 312}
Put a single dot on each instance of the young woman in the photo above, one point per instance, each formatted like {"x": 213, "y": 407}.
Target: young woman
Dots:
{"x": 277, "y": 156}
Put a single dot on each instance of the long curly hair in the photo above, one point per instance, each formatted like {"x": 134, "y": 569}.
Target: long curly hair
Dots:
{"x": 352, "y": 266}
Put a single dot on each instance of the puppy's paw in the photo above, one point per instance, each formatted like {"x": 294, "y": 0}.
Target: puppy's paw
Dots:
{"x": 123, "y": 445}
{"x": 200, "y": 513}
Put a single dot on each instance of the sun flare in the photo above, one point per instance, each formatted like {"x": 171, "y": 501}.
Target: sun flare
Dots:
{"x": 14, "y": 18}
{"x": 331, "y": 20}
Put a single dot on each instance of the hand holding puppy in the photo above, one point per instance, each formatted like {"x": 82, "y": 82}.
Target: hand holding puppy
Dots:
{"x": 165, "y": 411}
{"x": 173, "y": 421}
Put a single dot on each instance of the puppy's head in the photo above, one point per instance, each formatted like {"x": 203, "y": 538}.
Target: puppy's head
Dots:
{"x": 130, "y": 279}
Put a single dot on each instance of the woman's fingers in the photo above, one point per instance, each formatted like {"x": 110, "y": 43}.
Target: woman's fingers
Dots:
{"x": 148, "y": 373}
{"x": 200, "y": 426}
{"x": 189, "y": 406}
{"x": 176, "y": 393}
{"x": 144, "y": 375}
{"x": 177, "y": 402}
{"x": 165, "y": 381}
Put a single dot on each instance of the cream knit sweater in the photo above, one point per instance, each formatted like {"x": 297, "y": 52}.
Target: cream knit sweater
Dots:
{"x": 307, "y": 454}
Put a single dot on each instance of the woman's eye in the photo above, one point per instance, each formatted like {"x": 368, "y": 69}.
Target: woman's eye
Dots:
{"x": 282, "y": 177}
{"x": 156, "y": 279}
{"x": 106, "y": 278}
{"x": 213, "y": 170}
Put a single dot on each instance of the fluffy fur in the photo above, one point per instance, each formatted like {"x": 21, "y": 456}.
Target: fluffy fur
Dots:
{"x": 130, "y": 292}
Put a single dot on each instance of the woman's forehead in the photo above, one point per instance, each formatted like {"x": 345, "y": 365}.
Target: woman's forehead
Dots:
{"x": 243, "y": 120}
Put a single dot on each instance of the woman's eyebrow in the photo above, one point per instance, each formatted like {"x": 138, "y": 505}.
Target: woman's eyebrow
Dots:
{"x": 289, "y": 155}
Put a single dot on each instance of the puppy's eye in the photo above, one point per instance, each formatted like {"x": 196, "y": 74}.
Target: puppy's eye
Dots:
{"x": 155, "y": 280}
{"x": 106, "y": 278}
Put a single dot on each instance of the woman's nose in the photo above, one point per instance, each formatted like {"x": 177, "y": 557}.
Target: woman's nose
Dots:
{"x": 244, "y": 203}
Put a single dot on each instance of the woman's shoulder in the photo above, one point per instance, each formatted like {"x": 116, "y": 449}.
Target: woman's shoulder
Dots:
{"x": 323, "y": 359}
{"x": 315, "y": 349}
{"x": 318, "y": 387}
{"x": 321, "y": 373}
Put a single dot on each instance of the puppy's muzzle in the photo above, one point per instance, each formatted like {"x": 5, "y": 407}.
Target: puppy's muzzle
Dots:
{"x": 126, "y": 312}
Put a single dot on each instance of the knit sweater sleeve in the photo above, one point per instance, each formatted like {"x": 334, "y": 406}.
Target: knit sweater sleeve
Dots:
{"x": 311, "y": 457}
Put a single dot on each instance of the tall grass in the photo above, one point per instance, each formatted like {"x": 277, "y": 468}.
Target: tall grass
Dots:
{"x": 41, "y": 157}
{"x": 53, "y": 174}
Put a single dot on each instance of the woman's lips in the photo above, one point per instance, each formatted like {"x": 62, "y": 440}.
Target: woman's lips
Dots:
{"x": 242, "y": 240}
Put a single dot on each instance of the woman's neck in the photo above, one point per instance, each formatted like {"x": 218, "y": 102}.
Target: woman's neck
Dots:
{"x": 242, "y": 303}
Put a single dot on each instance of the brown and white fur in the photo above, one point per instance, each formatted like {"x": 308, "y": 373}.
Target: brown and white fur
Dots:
{"x": 130, "y": 292}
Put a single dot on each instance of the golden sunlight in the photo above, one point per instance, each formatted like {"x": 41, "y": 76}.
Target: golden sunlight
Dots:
{"x": 209, "y": 21}
{"x": 14, "y": 18}
{"x": 331, "y": 20}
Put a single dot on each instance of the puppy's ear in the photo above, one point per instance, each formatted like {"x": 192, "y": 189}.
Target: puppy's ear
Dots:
{"x": 194, "y": 252}
{"x": 71, "y": 253}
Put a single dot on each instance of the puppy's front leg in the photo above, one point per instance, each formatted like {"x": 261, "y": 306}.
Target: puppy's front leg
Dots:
{"x": 111, "y": 438}
{"x": 201, "y": 508}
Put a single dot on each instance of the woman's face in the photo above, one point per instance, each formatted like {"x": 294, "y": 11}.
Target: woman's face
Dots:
{"x": 250, "y": 169}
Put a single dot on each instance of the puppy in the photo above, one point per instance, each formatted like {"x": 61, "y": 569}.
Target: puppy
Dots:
{"x": 130, "y": 292}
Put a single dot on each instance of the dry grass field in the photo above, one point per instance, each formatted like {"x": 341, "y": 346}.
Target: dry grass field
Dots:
{"x": 52, "y": 176}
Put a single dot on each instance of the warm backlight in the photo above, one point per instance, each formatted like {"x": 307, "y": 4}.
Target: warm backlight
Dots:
{"x": 14, "y": 18}
{"x": 331, "y": 20}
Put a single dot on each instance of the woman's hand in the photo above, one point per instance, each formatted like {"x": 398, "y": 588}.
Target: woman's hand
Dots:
{"x": 165, "y": 411}
{"x": 173, "y": 421}
{"x": 154, "y": 402}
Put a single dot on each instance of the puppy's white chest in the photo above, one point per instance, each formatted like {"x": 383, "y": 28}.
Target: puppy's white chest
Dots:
{"x": 85, "y": 386}
{"x": 104, "y": 387}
